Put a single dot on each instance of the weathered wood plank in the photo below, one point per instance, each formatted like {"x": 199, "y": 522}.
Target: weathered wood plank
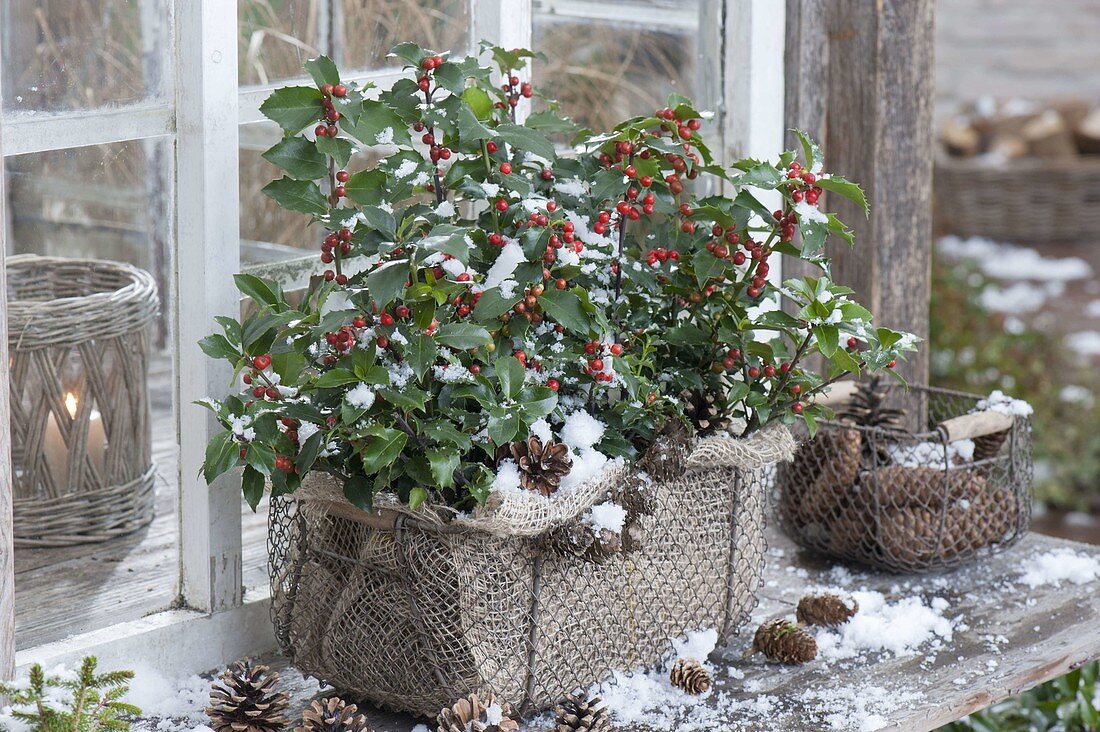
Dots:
{"x": 879, "y": 133}
{"x": 1007, "y": 638}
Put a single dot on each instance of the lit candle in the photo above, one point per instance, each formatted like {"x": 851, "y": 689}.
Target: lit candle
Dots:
{"x": 57, "y": 452}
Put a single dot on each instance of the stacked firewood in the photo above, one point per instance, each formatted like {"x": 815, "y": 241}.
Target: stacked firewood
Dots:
{"x": 1013, "y": 129}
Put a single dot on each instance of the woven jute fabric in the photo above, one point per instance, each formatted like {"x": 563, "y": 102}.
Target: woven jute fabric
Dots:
{"x": 81, "y": 442}
{"x": 414, "y": 609}
{"x": 908, "y": 501}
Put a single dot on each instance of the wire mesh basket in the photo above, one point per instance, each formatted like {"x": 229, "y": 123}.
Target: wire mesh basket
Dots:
{"x": 412, "y": 611}
{"x": 911, "y": 500}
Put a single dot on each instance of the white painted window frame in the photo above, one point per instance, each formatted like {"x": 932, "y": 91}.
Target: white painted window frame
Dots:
{"x": 226, "y": 621}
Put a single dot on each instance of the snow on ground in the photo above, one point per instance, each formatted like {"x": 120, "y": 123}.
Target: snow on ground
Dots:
{"x": 1064, "y": 565}
{"x": 1085, "y": 342}
{"x": 1009, "y": 262}
{"x": 900, "y": 628}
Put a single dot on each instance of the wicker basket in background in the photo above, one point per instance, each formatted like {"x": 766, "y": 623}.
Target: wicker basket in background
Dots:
{"x": 1043, "y": 199}
{"x": 81, "y": 442}
{"x": 911, "y": 501}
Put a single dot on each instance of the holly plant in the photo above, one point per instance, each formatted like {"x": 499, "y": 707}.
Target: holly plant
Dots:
{"x": 483, "y": 281}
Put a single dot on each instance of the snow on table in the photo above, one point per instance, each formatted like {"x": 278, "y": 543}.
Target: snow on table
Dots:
{"x": 924, "y": 650}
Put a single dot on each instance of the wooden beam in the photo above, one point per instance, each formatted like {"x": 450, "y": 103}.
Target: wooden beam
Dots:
{"x": 879, "y": 133}
{"x": 860, "y": 80}
{"x": 207, "y": 254}
{"x": 7, "y": 488}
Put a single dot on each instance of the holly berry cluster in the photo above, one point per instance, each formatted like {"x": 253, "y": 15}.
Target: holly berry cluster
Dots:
{"x": 501, "y": 289}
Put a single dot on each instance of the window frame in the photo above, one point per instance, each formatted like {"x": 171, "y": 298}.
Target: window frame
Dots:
{"x": 221, "y": 620}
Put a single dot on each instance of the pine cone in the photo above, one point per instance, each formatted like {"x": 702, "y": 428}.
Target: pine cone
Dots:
{"x": 471, "y": 714}
{"x": 784, "y": 642}
{"x": 825, "y": 609}
{"x": 901, "y": 486}
{"x": 988, "y": 446}
{"x": 689, "y": 675}
{"x": 578, "y": 713}
{"x": 541, "y": 467}
{"x": 703, "y": 410}
{"x": 868, "y": 406}
{"x": 332, "y": 715}
{"x": 244, "y": 700}
{"x": 664, "y": 460}
{"x": 822, "y": 473}
{"x": 916, "y": 536}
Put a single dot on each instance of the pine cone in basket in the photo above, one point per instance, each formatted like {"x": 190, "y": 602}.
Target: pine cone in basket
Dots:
{"x": 918, "y": 536}
{"x": 782, "y": 641}
{"x": 822, "y": 473}
{"x": 332, "y": 715}
{"x": 665, "y": 458}
{"x": 902, "y": 486}
{"x": 580, "y": 538}
{"x": 244, "y": 700}
{"x": 825, "y": 609}
{"x": 579, "y": 713}
{"x": 541, "y": 467}
{"x": 688, "y": 674}
{"x": 988, "y": 446}
{"x": 704, "y": 410}
{"x": 471, "y": 714}
{"x": 868, "y": 408}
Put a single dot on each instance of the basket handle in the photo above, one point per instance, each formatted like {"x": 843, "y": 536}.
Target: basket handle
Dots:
{"x": 975, "y": 424}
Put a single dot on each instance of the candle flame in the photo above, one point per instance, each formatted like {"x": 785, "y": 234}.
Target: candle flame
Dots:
{"x": 70, "y": 404}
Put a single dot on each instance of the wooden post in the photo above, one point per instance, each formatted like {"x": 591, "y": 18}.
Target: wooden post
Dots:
{"x": 860, "y": 78}
{"x": 207, "y": 254}
{"x": 7, "y": 546}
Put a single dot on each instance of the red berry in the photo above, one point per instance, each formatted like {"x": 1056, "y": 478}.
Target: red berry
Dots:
{"x": 502, "y": 205}
{"x": 385, "y": 319}
{"x": 320, "y": 131}
{"x": 342, "y": 176}
{"x": 464, "y": 277}
{"x": 852, "y": 342}
{"x": 475, "y": 368}
{"x": 272, "y": 392}
{"x": 258, "y": 392}
{"x": 753, "y": 292}
{"x": 596, "y": 364}
{"x": 546, "y": 174}
{"x": 341, "y": 279}
{"x": 326, "y": 89}
{"x": 796, "y": 408}
{"x": 553, "y": 384}
{"x": 491, "y": 146}
{"x": 892, "y": 364}
{"x": 339, "y": 90}
{"x": 753, "y": 372}
{"x": 402, "y": 311}
{"x": 506, "y": 168}
{"x": 616, "y": 349}
{"x": 796, "y": 389}
{"x": 340, "y": 191}
{"x": 769, "y": 371}
{"x": 383, "y": 342}
{"x": 262, "y": 362}
{"x": 329, "y": 275}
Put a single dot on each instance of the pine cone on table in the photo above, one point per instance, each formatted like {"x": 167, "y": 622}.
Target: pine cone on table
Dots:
{"x": 690, "y": 675}
{"x": 244, "y": 700}
{"x": 472, "y": 714}
{"x": 579, "y": 713}
{"x": 332, "y": 715}
{"x": 541, "y": 467}
{"x": 782, "y": 641}
{"x": 825, "y": 609}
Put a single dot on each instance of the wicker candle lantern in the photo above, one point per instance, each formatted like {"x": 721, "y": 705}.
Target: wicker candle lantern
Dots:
{"x": 79, "y": 402}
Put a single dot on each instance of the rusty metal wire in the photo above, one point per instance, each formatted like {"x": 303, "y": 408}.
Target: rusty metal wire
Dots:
{"x": 413, "y": 614}
{"x": 908, "y": 501}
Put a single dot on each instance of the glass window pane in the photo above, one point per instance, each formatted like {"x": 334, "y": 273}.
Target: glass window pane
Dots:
{"x": 370, "y": 28}
{"x": 84, "y": 54}
{"x": 605, "y": 72}
{"x": 104, "y": 202}
{"x": 277, "y": 36}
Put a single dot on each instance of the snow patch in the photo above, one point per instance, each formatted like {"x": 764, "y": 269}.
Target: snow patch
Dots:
{"x": 1010, "y": 262}
{"x": 998, "y": 401}
{"x": 581, "y": 430}
{"x": 899, "y": 628}
{"x": 1053, "y": 568}
{"x": 610, "y": 516}
{"x": 361, "y": 396}
{"x": 1085, "y": 342}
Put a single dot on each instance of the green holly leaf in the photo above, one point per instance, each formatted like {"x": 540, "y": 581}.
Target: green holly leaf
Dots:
{"x": 261, "y": 291}
{"x": 827, "y": 338}
{"x": 336, "y": 378}
{"x": 551, "y": 122}
{"x": 479, "y": 102}
{"x": 299, "y": 157}
{"x": 323, "y": 70}
{"x": 302, "y": 196}
{"x": 253, "y": 483}
{"x": 337, "y": 148}
{"x": 379, "y": 124}
{"x": 564, "y": 306}
{"x": 443, "y": 463}
{"x": 420, "y": 353}
{"x": 463, "y": 336}
{"x": 410, "y": 53}
{"x": 492, "y": 305}
{"x": 811, "y": 152}
{"x": 526, "y": 140}
{"x": 293, "y": 107}
{"x": 385, "y": 445}
{"x": 381, "y": 220}
{"x": 409, "y": 399}
{"x": 222, "y": 454}
{"x": 218, "y": 346}
{"x": 385, "y": 283}
{"x": 503, "y": 425}
{"x": 367, "y": 187}
{"x": 510, "y": 374}
{"x": 417, "y": 496}
{"x": 852, "y": 191}
{"x": 359, "y": 492}
{"x": 307, "y": 453}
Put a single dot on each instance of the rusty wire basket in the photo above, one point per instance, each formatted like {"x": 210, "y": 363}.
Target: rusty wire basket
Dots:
{"x": 411, "y": 610}
{"x": 911, "y": 500}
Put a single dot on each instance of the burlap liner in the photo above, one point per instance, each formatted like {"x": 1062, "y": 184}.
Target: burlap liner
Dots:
{"x": 411, "y": 611}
